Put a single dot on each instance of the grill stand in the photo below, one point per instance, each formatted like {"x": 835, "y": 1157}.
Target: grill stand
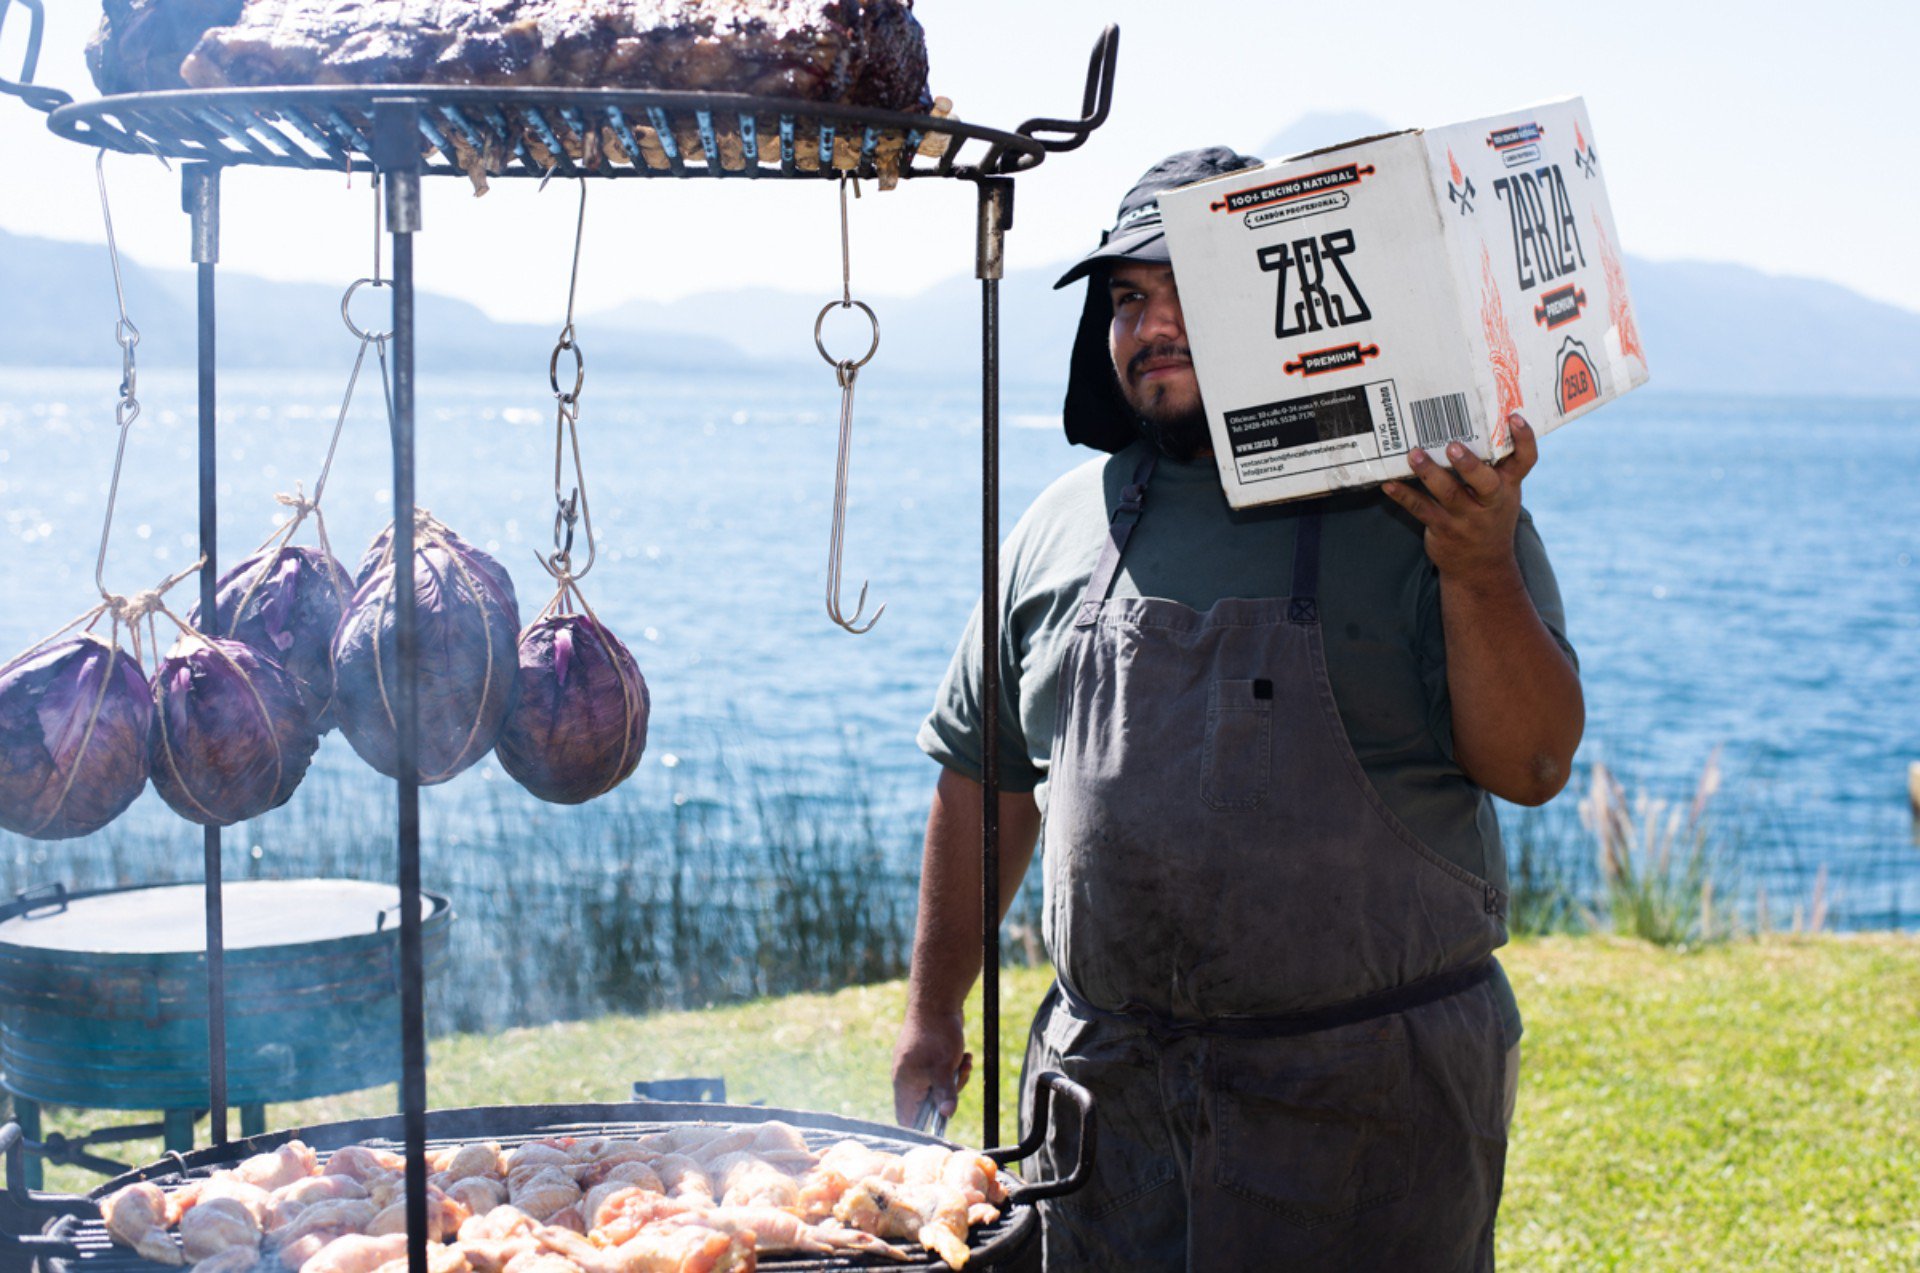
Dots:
{"x": 398, "y": 124}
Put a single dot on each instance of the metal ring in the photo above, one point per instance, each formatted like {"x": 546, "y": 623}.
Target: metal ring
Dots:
{"x": 579, "y": 371}
{"x": 347, "y": 300}
{"x": 820, "y": 322}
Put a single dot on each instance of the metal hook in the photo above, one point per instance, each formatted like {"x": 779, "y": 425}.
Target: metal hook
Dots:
{"x": 847, "y": 372}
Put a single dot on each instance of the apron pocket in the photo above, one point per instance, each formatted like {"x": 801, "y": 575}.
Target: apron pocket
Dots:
{"x": 1238, "y": 761}
{"x": 1132, "y": 1156}
{"x": 1314, "y": 1128}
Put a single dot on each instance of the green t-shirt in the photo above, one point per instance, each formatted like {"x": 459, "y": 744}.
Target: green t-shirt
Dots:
{"x": 1379, "y": 614}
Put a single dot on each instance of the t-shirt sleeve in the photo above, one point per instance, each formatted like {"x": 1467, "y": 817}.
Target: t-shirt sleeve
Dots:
{"x": 954, "y": 732}
{"x": 1537, "y": 571}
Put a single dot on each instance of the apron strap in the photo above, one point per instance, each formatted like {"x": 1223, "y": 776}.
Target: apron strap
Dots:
{"x": 1133, "y": 498}
{"x": 1303, "y": 605}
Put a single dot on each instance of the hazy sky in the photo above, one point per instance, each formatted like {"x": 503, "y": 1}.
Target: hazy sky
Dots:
{"x": 1782, "y": 138}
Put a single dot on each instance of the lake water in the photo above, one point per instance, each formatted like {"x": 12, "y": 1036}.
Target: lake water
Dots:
{"x": 1738, "y": 574}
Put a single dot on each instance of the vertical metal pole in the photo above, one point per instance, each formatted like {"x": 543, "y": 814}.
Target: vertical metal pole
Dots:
{"x": 996, "y": 214}
{"x": 200, "y": 198}
{"x": 397, "y": 156}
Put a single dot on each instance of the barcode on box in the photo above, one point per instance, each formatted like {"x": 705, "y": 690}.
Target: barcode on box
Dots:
{"x": 1438, "y": 421}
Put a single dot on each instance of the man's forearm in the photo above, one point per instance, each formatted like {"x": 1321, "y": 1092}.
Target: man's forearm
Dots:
{"x": 1518, "y": 711}
{"x": 947, "y": 940}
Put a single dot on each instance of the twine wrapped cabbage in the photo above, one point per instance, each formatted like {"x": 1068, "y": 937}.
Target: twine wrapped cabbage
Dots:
{"x": 231, "y": 738}
{"x": 581, "y": 723}
{"x": 467, "y": 620}
{"x": 74, "y": 716}
{"x": 286, "y": 603}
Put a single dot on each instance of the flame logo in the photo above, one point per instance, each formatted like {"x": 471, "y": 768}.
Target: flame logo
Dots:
{"x": 1503, "y": 356}
{"x": 1454, "y": 164}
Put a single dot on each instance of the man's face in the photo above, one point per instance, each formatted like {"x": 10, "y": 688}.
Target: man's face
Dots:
{"x": 1148, "y": 341}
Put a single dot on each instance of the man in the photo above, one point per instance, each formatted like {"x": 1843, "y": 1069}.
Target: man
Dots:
{"x": 1263, "y": 744}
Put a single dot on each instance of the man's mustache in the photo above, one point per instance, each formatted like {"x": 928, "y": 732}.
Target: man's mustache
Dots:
{"x": 1156, "y": 351}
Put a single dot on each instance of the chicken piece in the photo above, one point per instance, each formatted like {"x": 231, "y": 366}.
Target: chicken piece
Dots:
{"x": 594, "y": 1205}
{"x": 344, "y": 1215}
{"x": 468, "y": 1161}
{"x": 217, "y": 1224}
{"x": 357, "y": 1253}
{"x": 620, "y": 1154}
{"x": 361, "y": 1161}
{"x": 444, "y": 1217}
{"x": 729, "y": 1141}
{"x": 288, "y": 1201}
{"x": 292, "y": 1161}
{"x": 626, "y": 1213}
{"x": 440, "y": 1259}
{"x": 774, "y": 1231}
{"x": 682, "y": 1248}
{"x": 744, "y": 1179}
{"x": 975, "y": 1175}
{"x": 297, "y": 1252}
{"x": 684, "y": 1177}
{"x": 504, "y": 1221}
{"x": 492, "y": 1255}
{"x": 523, "y": 1159}
{"x": 384, "y": 1188}
{"x": 226, "y": 1185}
{"x": 478, "y": 1194}
{"x": 635, "y": 1173}
{"x": 820, "y": 1189}
{"x": 235, "y": 1259}
{"x": 935, "y": 1215}
{"x": 572, "y": 1219}
{"x": 137, "y": 1216}
{"x": 856, "y": 1161}
{"x": 775, "y": 1136}
{"x": 544, "y": 1192}
{"x": 535, "y": 1260}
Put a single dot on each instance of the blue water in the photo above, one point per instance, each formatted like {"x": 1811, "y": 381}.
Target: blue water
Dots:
{"x": 1738, "y": 573}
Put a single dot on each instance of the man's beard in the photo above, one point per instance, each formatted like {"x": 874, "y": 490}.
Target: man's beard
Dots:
{"x": 1178, "y": 437}
{"x": 1178, "y": 434}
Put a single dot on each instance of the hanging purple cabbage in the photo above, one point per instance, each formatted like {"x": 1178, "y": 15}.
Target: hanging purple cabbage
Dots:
{"x": 74, "y": 716}
{"x": 490, "y": 571}
{"x": 230, "y": 737}
{"x": 581, "y": 722}
{"x": 287, "y": 604}
{"x": 467, "y": 618}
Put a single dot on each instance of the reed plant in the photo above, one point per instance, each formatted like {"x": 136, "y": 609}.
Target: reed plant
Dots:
{"x": 1658, "y": 858}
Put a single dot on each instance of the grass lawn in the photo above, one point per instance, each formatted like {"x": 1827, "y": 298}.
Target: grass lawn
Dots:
{"x": 1754, "y": 1105}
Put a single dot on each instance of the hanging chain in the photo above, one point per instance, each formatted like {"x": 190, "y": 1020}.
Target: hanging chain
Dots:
{"x": 846, "y": 371}
{"x": 570, "y": 510}
{"x": 127, "y": 409}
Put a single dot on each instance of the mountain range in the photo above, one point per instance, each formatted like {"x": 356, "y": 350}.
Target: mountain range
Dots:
{"x": 1708, "y": 327}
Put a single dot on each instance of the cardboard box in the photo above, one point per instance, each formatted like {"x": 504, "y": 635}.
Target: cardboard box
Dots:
{"x": 1409, "y": 290}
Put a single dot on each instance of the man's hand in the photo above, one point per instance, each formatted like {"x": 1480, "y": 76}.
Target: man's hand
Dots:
{"x": 1470, "y": 513}
{"x": 1515, "y": 699}
{"x": 929, "y": 1058}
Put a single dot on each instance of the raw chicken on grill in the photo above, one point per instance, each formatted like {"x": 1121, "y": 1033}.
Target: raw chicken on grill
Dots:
{"x": 139, "y": 1216}
{"x": 695, "y": 1199}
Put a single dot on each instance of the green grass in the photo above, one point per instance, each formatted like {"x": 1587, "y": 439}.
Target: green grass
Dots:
{"x": 1749, "y": 1105}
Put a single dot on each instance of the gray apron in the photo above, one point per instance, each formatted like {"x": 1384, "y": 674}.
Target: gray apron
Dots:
{"x": 1276, "y": 993}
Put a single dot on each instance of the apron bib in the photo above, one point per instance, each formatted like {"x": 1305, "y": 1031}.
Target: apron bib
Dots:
{"x": 1269, "y": 982}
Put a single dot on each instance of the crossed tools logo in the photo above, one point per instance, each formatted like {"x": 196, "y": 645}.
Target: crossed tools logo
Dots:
{"x": 1321, "y": 361}
{"x": 1585, "y": 158}
{"x": 1460, "y": 189}
{"x": 1578, "y": 383}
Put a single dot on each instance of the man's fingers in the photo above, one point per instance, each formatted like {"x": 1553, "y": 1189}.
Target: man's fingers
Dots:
{"x": 1526, "y": 448}
{"x": 1442, "y": 485}
{"x": 1479, "y": 477}
{"x": 1423, "y": 508}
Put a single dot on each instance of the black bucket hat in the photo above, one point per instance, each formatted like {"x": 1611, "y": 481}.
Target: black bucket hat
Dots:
{"x": 1096, "y": 414}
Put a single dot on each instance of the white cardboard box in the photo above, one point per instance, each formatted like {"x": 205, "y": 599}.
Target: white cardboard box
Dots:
{"x": 1409, "y": 290}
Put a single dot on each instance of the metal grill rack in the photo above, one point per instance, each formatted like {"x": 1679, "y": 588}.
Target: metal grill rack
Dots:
{"x": 406, "y": 132}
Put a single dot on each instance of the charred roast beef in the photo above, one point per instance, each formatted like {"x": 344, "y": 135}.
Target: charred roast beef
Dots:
{"x": 858, "y": 52}
{"x": 140, "y": 44}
